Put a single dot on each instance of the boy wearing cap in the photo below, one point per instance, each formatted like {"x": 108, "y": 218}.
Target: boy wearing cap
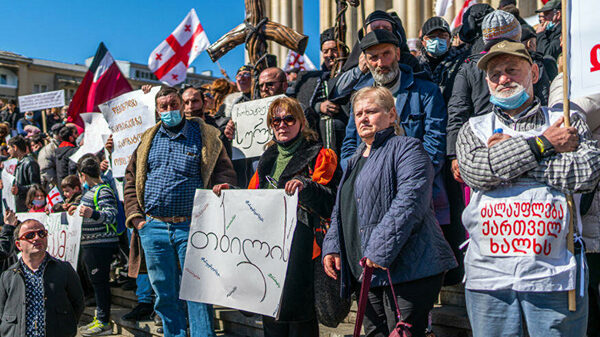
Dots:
{"x": 520, "y": 162}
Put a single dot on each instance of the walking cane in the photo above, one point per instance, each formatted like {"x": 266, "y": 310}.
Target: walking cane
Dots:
{"x": 567, "y": 122}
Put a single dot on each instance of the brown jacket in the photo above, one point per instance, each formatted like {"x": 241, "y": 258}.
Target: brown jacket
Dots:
{"x": 216, "y": 168}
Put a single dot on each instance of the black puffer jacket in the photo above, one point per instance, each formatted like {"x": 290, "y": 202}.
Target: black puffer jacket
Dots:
{"x": 27, "y": 173}
{"x": 63, "y": 300}
{"x": 444, "y": 72}
{"x": 471, "y": 97}
{"x": 548, "y": 42}
{"x": 64, "y": 165}
{"x": 315, "y": 201}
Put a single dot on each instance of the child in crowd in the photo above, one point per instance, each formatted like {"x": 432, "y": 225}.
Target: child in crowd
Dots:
{"x": 71, "y": 188}
{"x": 99, "y": 240}
{"x": 36, "y": 199}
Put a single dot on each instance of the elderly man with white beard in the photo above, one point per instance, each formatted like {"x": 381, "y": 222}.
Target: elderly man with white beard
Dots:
{"x": 419, "y": 104}
{"x": 520, "y": 162}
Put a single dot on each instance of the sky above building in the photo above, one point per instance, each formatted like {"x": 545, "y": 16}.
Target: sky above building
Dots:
{"x": 70, "y": 31}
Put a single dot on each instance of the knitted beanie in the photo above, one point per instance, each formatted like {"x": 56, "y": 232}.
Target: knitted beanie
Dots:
{"x": 500, "y": 24}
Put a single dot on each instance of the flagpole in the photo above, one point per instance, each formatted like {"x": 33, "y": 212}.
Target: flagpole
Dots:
{"x": 222, "y": 70}
{"x": 567, "y": 122}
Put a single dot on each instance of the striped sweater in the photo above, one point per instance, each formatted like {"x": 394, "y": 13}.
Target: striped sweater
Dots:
{"x": 94, "y": 230}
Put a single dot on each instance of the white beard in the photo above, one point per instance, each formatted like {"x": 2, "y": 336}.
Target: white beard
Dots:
{"x": 383, "y": 79}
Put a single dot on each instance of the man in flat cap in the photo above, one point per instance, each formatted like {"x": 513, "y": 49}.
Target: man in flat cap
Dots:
{"x": 520, "y": 162}
{"x": 549, "y": 32}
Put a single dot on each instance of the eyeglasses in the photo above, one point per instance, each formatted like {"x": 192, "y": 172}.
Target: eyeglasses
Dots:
{"x": 289, "y": 120}
{"x": 42, "y": 233}
{"x": 269, "y": 84}
{"x": 243, "y": 75}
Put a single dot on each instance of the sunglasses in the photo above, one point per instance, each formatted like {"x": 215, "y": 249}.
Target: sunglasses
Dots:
{"x": 42, "y": 233}
{"x": 268, "y": 84}
{"x": 289, "y": 120}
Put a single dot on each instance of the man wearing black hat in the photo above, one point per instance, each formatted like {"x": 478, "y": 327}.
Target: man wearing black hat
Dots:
{"x": 438, "y": 58}
{"x": 419, "y": 103}
{"x": 243, "y": 82}
{"x": 549, "y": 32}
{"x": 312, "y": 90}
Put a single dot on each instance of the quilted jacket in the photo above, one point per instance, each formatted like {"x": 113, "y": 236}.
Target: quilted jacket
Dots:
{"x": 395, "y": 213}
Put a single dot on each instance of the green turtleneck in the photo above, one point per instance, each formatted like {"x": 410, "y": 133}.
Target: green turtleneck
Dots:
{"x": 283, "y": 158}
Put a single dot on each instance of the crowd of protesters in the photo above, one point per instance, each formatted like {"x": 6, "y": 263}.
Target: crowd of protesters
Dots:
{"x": 395, "y": 147}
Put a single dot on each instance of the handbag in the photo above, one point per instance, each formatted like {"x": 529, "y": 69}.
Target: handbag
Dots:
{"x": 402, "y": 329}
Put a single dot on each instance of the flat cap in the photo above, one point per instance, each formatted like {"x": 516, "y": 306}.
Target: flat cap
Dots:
{"x": 378, "y": 36}
{"x": 504, "y": 48}
{"x": 435, "y": 23}
{"x": 550, "y": 5}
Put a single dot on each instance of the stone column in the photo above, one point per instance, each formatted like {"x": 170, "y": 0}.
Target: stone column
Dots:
{"x": 427, "y": 10}
{"x": 450, "y": 13}
{"x": 400, "y": 7}
{"x": 414, "y": 19}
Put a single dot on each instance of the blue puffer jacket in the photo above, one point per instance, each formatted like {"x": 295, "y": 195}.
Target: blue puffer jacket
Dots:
{"x": 395, "y": 213}
{"x": 422, "y": 114}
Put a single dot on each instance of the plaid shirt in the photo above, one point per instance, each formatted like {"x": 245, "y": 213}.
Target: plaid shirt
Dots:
{"x": 485, "y": 168}
{"x": 35, "y": 305}
{"x": 173, "y": 174}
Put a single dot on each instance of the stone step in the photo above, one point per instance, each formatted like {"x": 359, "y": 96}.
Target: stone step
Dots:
{"x": 123, "y": 298}
{"x": 449, "y": 320}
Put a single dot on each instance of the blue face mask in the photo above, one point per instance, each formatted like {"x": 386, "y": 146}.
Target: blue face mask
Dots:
{"x": 171, "y": 118}
{"x": 512, "y": 102}
{"x": 436, "y": 46}
{"x": 38, "y": 203}
{"x": 550, "y": 25}
{"x": 85, "y": 186}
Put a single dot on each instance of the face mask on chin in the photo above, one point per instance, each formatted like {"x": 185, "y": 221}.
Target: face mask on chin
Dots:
{"x": 171, "y": 118}
{"x": 511, "y": 102}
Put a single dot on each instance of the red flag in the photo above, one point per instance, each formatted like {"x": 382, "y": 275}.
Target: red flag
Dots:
{"x": 459, "y": 18}
{"x": 103, "y": 81}
{"x": 170, "y": 60}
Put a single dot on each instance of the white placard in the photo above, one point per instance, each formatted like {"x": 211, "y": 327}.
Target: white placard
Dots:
{"x": 95, "y": 135}
{"x": 64, "y": 233}
{"x": 128, "y": 116}
{"x": 45, "y": 100}
{"x": 8, "y": 180}
{"x": 584, "y": 53}
{"x": 238, "y": 249}
{"x": 251, "y": 130}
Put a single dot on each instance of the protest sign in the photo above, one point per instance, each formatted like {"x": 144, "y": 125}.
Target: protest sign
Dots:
{"x": 51, "y": 99}
{"x": 251, "y": 131}
{"x": 64, "y": 233}
{"x": 95, "y": 135}
{"x": 238, "y": 249}
{"x": 128, "y": 116}
{"x": 584, "y": 51}
{"x": 8, "y": 180}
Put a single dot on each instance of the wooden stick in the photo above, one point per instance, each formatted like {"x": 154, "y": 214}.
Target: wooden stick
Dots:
{"x": 44, "y": 128}
{"x": 567, "y": 122}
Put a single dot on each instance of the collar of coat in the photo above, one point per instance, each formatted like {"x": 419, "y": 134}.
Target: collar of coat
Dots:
{"x": 381, "y": 138}
{"x": 300, "y": 160}
{"x": 211, "y": 148}
{"x": 16, "y": 267}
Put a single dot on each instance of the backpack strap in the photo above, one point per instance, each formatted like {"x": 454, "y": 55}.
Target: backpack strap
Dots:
{"x": 97, "y": 206}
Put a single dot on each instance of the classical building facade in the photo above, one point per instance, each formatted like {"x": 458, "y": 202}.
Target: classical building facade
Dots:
{"x": 21, "y": 75}
{"x": 412, "y": 12}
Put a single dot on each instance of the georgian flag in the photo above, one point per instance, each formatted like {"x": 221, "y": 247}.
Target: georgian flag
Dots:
{"x": 170, "y": 60}
{"x": 459, "y": 18}
{"x": 53, "y": 198}
{"x": 295, "y": 60}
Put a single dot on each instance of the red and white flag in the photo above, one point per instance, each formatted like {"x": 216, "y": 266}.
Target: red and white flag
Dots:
{"x": 295, "y": 60}
{"x": 102, "y": 82}
{"x": 459, "y": 18}
{"x": 170, "y": 60}
{"x": 53, "y": 198}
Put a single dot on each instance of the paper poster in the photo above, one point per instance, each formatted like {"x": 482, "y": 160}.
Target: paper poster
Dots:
{"x": 8, "y": 180}
{"x": 251, "y": 131}
{"x": 238, "y": 249}
{"x": 64, "y": 234}
{"x": 95, "y": 135}
{"x": 45, "y": 100}
{"x": 584, "y": 51}
{"x": 128, "y": 116}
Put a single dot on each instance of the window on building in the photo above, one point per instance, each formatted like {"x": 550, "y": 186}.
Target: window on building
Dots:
{"x": 3, "y": 79}
{"x": 39, "y": 88}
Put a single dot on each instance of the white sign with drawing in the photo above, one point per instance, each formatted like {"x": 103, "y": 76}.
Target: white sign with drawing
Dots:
{"x": 95, "y": 135}
{"x": 45, "y": 100}
{"x": 64, "y": 233}
{"x": 251, "y": 130}
{"x": 238, "y": 249}
{"x": 128, "y": 116}
{"x": 8, "y": 179}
